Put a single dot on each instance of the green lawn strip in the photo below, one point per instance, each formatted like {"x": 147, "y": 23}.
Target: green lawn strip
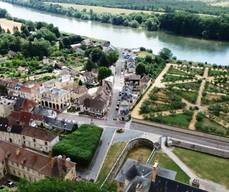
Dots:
{"x": 80, "y": 145}
{"x": 181, "y": 120}
{"x": 166, "y": 162}
{"x": 208, "y": 126}
{"x": 206, "y": 166}
{"x": 112, "y": 155}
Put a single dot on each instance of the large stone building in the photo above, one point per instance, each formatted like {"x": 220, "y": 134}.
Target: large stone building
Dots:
{"x": 56, "y": 99}
{"x": 31, "y": 137}
{"x": 33, "y": 166}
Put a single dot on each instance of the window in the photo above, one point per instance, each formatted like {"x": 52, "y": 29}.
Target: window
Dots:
{"x": 46, "y": 143}
{"x": 34, "y": 140}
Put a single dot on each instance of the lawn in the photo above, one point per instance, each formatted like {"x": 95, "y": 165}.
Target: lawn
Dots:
{"x": 181, "y": 120}
{"x": 206, "y": 166}
{"x": 112, "y": 155}
{"x": 99, "y": 9}
{"x": 139, "y": 152}
{"x": 166, "y": 162}
{"x": 9, "y": 24}
{"x": 80, "y": 145}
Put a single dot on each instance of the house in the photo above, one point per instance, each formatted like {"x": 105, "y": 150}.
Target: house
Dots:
{"x": 31, "y": 137}
{"x": 145, "y": 82}
{"x": 89, "y": 78}
{"x": 6, "y": 105}
{"x": 23, "y": 104}
{"x": 30, "y": 91}
{"x": 137, "y": 177}
{"x": 98, "y": 101}
{"x": 133, "y": 81}
{"x": 33, "y": 166}
{"x": 131, "y": 67}
{"x": 51, "y": 123}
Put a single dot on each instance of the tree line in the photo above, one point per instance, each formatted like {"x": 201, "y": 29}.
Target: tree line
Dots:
{"x": 181, "y": 23}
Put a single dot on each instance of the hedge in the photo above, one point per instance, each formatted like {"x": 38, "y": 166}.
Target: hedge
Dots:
{"x": 80, "y": 145}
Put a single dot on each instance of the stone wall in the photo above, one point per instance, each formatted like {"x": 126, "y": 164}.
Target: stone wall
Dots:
{"x": 197, "y": 147}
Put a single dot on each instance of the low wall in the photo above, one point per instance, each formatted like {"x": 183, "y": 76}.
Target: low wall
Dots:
{"x": 138, "y": 142}
{"x": 199, "y": 148}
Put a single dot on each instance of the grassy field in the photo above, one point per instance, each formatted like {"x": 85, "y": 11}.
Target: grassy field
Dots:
{"x": 111, "y": 157}
{"x": 140, "y": 152}
{"x": 8, "y": 24}
{"x": 99, "y": 9}
{"x": 166, "y": 162}
{"x": 180, "y": 120}
{"x": 206, "y": 166}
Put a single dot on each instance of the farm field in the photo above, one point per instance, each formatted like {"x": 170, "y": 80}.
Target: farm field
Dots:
{"x": 9, "y": 24}
{"x": 190, "y": 96}
{"x": 100, "y": 9}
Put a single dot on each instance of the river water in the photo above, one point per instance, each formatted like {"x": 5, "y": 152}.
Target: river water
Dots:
{"x": 185, "y": 48}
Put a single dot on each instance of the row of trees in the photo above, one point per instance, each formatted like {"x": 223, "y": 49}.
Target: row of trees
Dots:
{"x": 182, "y": 23}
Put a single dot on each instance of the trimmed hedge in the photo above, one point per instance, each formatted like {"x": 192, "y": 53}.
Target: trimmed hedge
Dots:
{"x": 80, "y": 145}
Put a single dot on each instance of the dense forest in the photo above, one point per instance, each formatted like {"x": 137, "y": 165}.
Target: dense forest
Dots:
{"x": 182, "y": 23}
{"x": 155, "y": 5}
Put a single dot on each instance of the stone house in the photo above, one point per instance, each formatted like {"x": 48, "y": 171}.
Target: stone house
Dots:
{"x": 31, "y": 137}
{"x": 97, "y": 104}
{"x": 33, "y": 166}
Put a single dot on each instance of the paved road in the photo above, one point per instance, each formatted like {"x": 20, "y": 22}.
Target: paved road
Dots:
{"x": 180, "y": 135}
{"x": 117, "y": 87}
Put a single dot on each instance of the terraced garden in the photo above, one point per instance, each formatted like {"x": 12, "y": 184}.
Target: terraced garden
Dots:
{"x": 185, "y": 92}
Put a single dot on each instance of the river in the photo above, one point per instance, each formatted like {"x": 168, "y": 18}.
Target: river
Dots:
{"x": 185, "y": 48}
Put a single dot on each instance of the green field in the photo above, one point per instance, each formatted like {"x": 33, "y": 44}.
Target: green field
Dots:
{"x": 206, "y": 166}
{"x": 166, "y": 162}
{"x": 100, "y": 9}
{"x": 139, "y": 153}
{"x": 180, "y": 120}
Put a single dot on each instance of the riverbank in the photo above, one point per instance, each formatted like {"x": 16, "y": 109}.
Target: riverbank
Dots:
{"x": 175, "y": 22}
{"x": 184, "y": 48}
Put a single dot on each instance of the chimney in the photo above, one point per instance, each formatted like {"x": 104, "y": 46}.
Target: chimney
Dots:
{"x": 154, "y": 171}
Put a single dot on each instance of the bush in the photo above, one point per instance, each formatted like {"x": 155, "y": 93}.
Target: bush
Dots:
{"x": 80, "y": 145}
